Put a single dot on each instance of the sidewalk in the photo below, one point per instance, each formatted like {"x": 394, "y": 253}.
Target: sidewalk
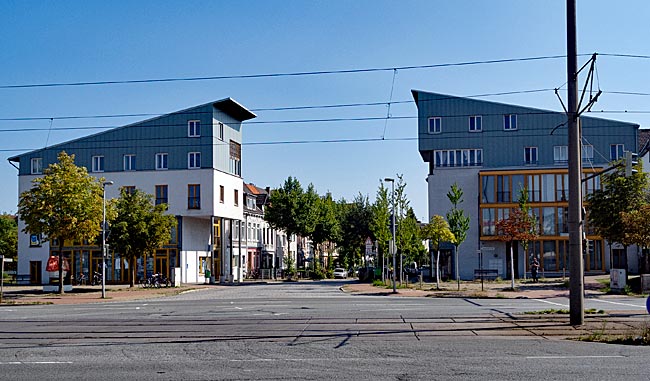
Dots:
{"x": 545, "y": 288}
{"x": 25, "y": 295}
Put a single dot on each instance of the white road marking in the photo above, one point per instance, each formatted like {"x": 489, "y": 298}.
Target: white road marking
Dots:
{"x": 553, "y": 303}
{"x": 35, "y": 362}
{"x": 573, "y": 357}
{"x": 617, "y": 303}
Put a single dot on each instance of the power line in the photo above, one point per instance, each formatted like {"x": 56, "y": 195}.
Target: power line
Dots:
{"x": 621, "y": 55}
{"x": 324, "y": 106}
{"x": 288, "y": 108}
{"x": 275, "y": 75}
{"x": 299, "y": 121}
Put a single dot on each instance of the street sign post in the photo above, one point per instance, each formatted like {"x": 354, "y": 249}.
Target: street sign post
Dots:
{"x": 480, "y": 252}
{"x": 2, "y": 274}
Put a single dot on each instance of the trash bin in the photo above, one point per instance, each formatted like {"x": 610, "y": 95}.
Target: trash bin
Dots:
{"x": 207, "y": 276}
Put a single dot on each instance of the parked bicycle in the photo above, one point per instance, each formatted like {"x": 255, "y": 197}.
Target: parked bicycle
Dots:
{"x": 155, "y": 280}
{"x": 97, "y": 279}
{"x": 80, "y": 279}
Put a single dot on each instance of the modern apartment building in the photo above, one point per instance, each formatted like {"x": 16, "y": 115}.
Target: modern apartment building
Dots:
{"x": 189, "y": 159}
{"x": 493, "y": 151}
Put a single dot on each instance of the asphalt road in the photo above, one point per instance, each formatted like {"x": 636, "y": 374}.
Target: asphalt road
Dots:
{"x": 302, "y": 331}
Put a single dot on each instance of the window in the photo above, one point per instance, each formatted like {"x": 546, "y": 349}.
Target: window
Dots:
{"x": 129, "y": 189}
{"x": 220, "y": 131}
{"x": 510, "y": 122}
{"x": 129, "y": 162}
{"x": 458, "y": 158}
{"x": 193, "y": 128}
{"x": 194, "y": 196}
{"x": 98, "y": 164}
{"x": 37, "y": 166}
{"x": 487, "y": 189}
{"x": 530, "y": 155}
{"x": 561, "y": 187}
{"x": 561, "y": 154}
{"x": 236, "y": 197}
{"x": 161, "y": 161}
{"x": 194, "y": 160}
{"x": 503, "y": 188}
{"x": 616, "y": 151}
{"x": 435, "y": 125}
{"x": 161, "y": 194}
{"x": 235, "y": 158}
{"x": 475, "y": 123}
{"x": 587, "y": 153}
{"x": 221, "y": 194}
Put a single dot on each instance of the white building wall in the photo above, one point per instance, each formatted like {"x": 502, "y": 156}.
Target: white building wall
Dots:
{"x": 439, "y": 184}
{"x": 196, "y": 228}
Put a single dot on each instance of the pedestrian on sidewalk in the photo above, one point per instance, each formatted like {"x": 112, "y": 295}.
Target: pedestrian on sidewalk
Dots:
{"x": 534, "y": 269}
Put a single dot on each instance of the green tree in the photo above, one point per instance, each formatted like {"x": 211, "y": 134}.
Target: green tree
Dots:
{"x": 63, "y": 205}
{"x": 139, "y": 227}
{"x": 401, "y": 230}
{"x": 530, "y": 221}
{"x": 458, "y": 222}
{"x": 327, "y": 228}
{"x": 437, "y": 231}
{"x": 355, "y": 228}
{"x": 380, "y": 223}
{"x": 412, "y": 247}
{"x": 616, "y": 195}
{"x": 8, "y": 236}
{"x": 637, "y": 232}
{"x": 292, "y": 210}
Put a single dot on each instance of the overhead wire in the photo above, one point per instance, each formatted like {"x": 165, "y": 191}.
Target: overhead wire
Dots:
{"x": 285, "y": 74}
{"x": 309, "y": 107}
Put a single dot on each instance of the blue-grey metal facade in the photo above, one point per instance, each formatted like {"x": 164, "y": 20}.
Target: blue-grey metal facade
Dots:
{"x": 491, "y": 164}
{"x": 165, "y": 134}
{"x": 505, "y": 148}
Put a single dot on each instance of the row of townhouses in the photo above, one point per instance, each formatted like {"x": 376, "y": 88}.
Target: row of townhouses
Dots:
{"x": 189, "y": 159}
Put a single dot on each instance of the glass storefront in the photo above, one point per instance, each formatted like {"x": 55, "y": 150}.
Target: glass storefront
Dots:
{"x": 547, "y": 192}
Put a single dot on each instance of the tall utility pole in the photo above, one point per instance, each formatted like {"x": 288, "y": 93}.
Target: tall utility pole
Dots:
{"x": 576, "y": 286}
{"x": 104, "y": 254}
{"x": 393, "y": 245}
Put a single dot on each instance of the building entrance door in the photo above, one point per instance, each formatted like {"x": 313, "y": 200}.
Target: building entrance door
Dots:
{"x": 35, "y": 276}
{"x": 161, "y": 266}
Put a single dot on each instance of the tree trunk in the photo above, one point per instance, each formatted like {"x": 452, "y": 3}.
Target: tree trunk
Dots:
{"x": 512, "y": 267}
{"x": 61, "y": 290}
{"x": 133, "y": 272}
{"x": 457, "y": 275}
{"x": 438, "y": 269}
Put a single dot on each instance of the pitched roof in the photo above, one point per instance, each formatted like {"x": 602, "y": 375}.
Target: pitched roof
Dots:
{"x": 227, "y": 105}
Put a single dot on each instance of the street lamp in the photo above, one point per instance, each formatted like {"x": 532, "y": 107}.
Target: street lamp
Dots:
{"x": 393, "y": 247}
{"x": 104, "y": 184}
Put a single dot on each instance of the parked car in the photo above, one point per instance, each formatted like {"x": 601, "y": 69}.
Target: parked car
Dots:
{"x": 340, "y": 273}
{"x": 425, "y": 271}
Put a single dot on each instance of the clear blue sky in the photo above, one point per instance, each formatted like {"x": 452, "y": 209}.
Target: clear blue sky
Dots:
{"x": 79, "y": 41}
